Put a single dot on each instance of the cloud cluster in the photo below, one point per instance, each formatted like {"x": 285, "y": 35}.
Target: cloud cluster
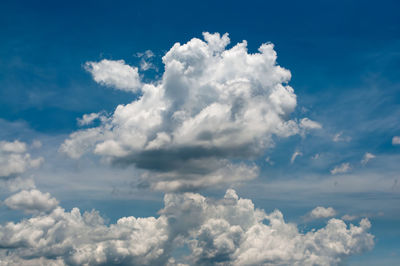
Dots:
{"x": 14, "y": 159}
{"x": 212, "y": 105}
{"x": 230, "y": 231}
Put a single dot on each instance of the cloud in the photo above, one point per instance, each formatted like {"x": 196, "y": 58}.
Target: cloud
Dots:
{"x": 88, "y": 119}
{"x": 341, "y": 169}
{"x": 339, "y": 137}
{"x": 367, "y": 157}
{"x": 116, "y": 74}
{"x": 322, "y": 212}
{"x": 229, "y": 231}
{"x": 396, "y": 140}
{"x": 31, "y": 201}
{"x": 211, "y": 102}
{"x": 306, "y": 123}
{"x": 145, "y": 61}
{"x": 14, "y": 159}
{"x": 294, "y": 155}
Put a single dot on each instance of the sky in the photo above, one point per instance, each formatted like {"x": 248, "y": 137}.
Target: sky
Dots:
{"x": 199, "y": 133}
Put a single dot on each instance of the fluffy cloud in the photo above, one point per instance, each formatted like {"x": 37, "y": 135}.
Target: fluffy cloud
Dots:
{"x": 211, "y": 104}
{"x": 230, "y": 231}
{"x": 14, "y": 159}
{"x": 367, "y": 157}
{"x": 396, "y": 140}
{"x": 115, "y": 73}
{"x": 31, "y": 201}
{"x": 341, "y": 169}
{"x": 322, "y": 212}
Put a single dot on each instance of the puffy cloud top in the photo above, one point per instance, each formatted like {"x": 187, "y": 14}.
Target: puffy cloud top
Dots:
{"x": 212, "y": 104}
{"x": 322, "y": 212}
{"x": 230, "y": 231}
{"x": 115, "y": 74}
{"x": 31, "y": 201}
{"x": 14, "y": 159}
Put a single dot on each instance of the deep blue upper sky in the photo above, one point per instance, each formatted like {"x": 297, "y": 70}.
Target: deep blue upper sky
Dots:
{"x": 329, "y": 46}
{"x": 344, "y": 57}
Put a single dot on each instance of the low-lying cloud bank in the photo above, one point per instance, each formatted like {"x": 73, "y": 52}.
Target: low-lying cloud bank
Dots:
{"x": 229, "y": 231}
{"x": 212, "y": 105}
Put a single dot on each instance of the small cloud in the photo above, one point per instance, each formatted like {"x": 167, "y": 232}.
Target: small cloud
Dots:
{"x": 316, "y": 156}
{"x": 321, "y": 212}
{"x": 295, "y": 154}
{"x": 339, "y": 137}
{"x": 269, "y": 161}
{"x": 88, "y": 119}
{"x": 367, "y": 156}
{"x": 116, "y": 74}
{"x": 396, "y": 140}
{"x": 340, "y": 169}
{"x": 145, "y": 62}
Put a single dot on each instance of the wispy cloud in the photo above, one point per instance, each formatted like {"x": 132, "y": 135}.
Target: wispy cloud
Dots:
{"x": 367, "y": 157}
{"x": 341, "y": 169}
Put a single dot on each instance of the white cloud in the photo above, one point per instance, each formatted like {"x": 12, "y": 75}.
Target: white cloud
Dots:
{"x": 14, "y": 159}
{"x": 367, "y": 157}
{"x": 340, "y": 169}
{"x": 396, "y": 140}
{"x": 294, "y": 156}
{"x": 339, "y": 137}
{"x": 145, "y": 61}
{"x": 309, "y": 124}
{"x": 211, "y": 102}
{"x": 115, "y": 73}
{"x": 230, "y": 231}
{"x": 31, "y": 201}
{"x": 322, "y": 212}
{"x": 88, "y": 119}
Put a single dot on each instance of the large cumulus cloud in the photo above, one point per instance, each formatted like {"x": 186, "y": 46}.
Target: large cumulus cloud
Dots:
{"x": 212, "y": 104}
{"x": 230, "y": 231}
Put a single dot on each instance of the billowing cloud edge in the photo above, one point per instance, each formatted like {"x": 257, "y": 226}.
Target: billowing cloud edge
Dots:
{"x": 229, "y": 231}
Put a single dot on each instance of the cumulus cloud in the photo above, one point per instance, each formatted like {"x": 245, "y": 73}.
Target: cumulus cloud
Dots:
{"x": 15, "y": 160}
{"x": 31, "y": 201}
{"x": 367, "y": 157}
{"x": 230, "y": 231}
{"x": 322, "y": 212}
{"x": 341, "y": 169}
{"x": 115, "y": 73}
{"x": 211, "y": 102}
{"x": 396, "y": 140}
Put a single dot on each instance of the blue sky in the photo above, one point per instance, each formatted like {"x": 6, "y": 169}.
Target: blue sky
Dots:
{"x": 344, "y": 60}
